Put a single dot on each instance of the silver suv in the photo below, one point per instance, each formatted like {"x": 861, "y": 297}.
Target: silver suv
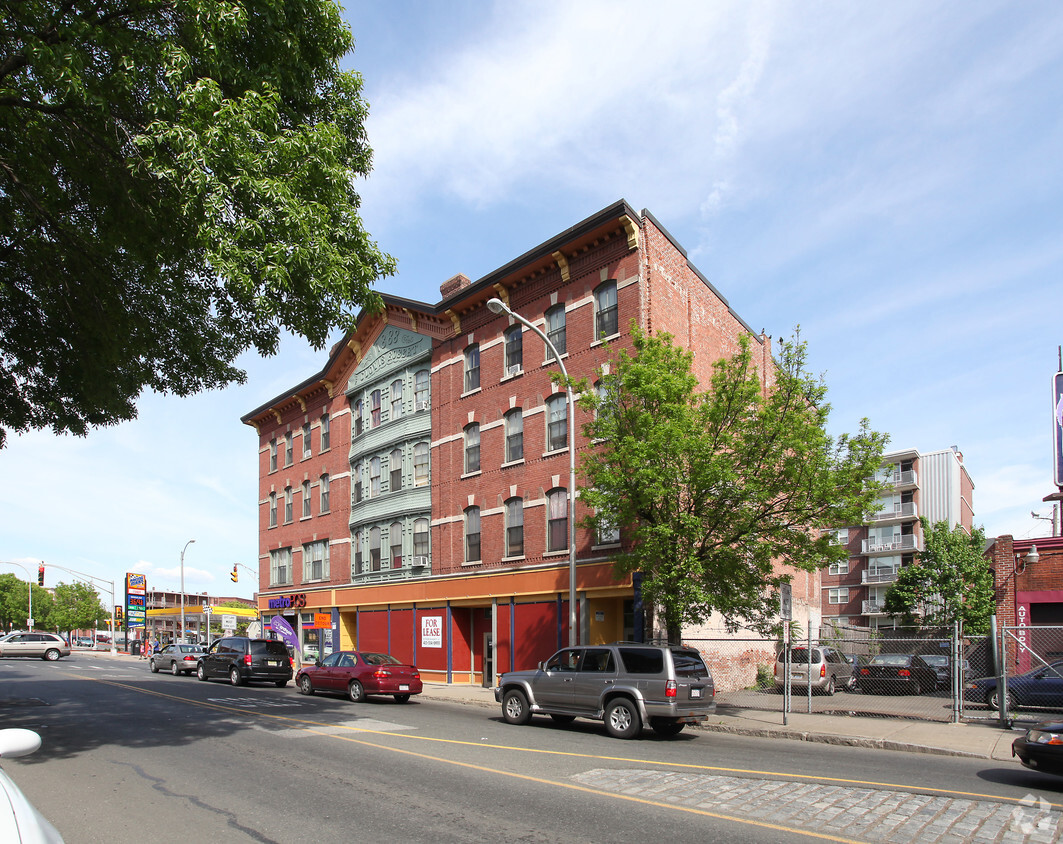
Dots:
{"x": 625, "y": 684}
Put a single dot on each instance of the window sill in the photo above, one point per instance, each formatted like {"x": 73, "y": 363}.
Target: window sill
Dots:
{"x": 555, "y": 452}
{"x": 512, "y": 463}
{"x": 509, "y": 376}
{"x": 473, "y": 563}
{"x": 550, "y": 359}
{"x": 471, "y": 392}
{"x": 324, "y": 511}
{"x": 519, "y": 559}
{"x": 472, "y": 474}
{"x": 562, "y": 553}
{"x": 305, "y": 518}
{"x": 606, "y": 545}
{"x": 604, "y": 340}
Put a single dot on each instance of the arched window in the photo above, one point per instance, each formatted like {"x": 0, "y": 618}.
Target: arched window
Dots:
{"x": 514, "y": 435}
{"x": 420, "y": 464}
{"x": 472, "y": 449}
{"x": 306, "y": 441}
{"x": 555, "y": 329}
{"x": 357, "y": 552}
{"x": 515, "y": 527}
{"x": 605, "y": 310}
{"x": 306, "y": 499}
{"x": 374, "y": 548}
{"x": 556, "y": 422}
{"x": 395, "y": 467}
{"x": 396, "y": 399}
{"x": 472, "y": 368}
{"x": 374, "y": 408}
{"x": 356, "y": 476}
{"x": 557, "y": 520}
{"x": 514, "y": 349}
{"x": 420, "y": 537}
{"x": 472, "y": 534}
{"x": 395, "y": 538}
{"x": 323, "y": 487}
{"x": 374, "y": 477}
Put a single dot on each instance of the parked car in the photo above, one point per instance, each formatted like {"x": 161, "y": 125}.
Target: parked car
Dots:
{"x": 19, "y": 819}
{"x": 942, "y": 665}
{"x": 828, "y": 668}
{"x": 177, "y": 659}
{"x": 626, "y": 685}
{"x": 241, "y": 659}
{"x": 1041, "y": 686}
{"x": 44, "y": 645}
{"x": 83, "y": 641}
{"x": 895, "y": 673}
{"x": 359, "y": 675}
{"x": 1041, "y": 748}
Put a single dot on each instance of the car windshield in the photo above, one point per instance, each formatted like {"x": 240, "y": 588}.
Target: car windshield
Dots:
{"x": 890, "y": 659}
{"x": 937, "y": 660}
{"x": 380, "y": 659}
{"x": 801, "y": 655}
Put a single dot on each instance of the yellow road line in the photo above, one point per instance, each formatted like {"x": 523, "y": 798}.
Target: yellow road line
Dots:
{"x": 681, "y": 765}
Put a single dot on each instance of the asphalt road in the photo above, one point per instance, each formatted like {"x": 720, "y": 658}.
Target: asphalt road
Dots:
{"x": 134, "y": 756}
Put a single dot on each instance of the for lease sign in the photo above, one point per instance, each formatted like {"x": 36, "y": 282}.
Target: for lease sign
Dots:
{"x": 432, "y": 631}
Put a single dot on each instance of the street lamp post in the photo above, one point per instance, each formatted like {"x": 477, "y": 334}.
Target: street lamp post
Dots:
{"x": 91, "y": 578}
{"x": 190, "y": 541}
{"x": 497, "y": 306}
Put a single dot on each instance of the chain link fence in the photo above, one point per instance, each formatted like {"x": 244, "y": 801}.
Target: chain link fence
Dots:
{"x": 1027, "y": 687}
{"x": 905, "y": 672}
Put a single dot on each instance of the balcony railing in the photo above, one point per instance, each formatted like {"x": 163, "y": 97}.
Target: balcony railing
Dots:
{"x": 872, "y": 608}
{"x": 905, "y": 510}
{"x": 884, "y": 576}
{"x": 908, "y": 478}
{"x": 897, "y": 543}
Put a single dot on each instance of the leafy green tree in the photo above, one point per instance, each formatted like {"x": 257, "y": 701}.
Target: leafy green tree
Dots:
{"x": 76, "y": 606}
{"x": 949, "y": 581}
{"x": 713, "y": 488}
{"x": 177, "y": 185}
{"x": 14, "y": 604}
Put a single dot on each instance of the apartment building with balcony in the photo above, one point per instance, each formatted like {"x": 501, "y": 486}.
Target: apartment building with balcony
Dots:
{"x": 413, "y": 492}
{"x": 932, "y": 484}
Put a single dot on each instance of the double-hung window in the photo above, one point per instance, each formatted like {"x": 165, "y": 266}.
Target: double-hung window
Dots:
{"x": 374, "y": 548}
{"x": 556, "y": 422}
{"x": 514, "y": 435}
{"x": 356, "y": 474}
{"x": 514, "y": 349}
{"x": 315, "y": 560}
{"x": 374, "y": 477}
{"x": 325, "y": 437}
{"x": 323, "y": 488}
{"x": 288, "y": 449}
{"x": 420, "y": 537}
{"x": 273, "y": 509}
{"x": 472, "y": 534}
{"x": 472, "y": 368}
{"x": 395, "y": 540}
{"x": 396, "y": 399}
{"x": 306, "y": 441}
{"x": 374, "y": 408}
{"x": 280, "y": 567}
{"x": 557, "y": 524}
{"x": 515, "y": 527}
{"x": 395, "y": 467}
{"x": 605, "y": 310}
{"x": 420, "y": 389}
{"x": 273, "y": 455}
{"x": 472, "y": 449}
{"x": 287, "y": 505}
{"x": 306, "y": 499}
{"x": 420, "y": 464}
{"x": 555, "y": 329}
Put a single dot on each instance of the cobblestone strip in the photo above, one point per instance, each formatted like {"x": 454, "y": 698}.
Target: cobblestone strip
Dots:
{"x": 857, "y": 814}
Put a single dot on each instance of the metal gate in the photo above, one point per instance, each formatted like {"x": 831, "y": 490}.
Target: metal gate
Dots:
{"x": 1029, "y": 686}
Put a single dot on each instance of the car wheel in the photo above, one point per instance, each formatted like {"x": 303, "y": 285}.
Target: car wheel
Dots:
{"x": 154, "y": 668}
{"x": 280, "y": 684}
{"x": 306, "y": 686}
{"x": 563, "y": 719}
{"x": 993, "y": 700}
{"x": 664, "y": 727}
{"x": 402, "y": 698}
{"x": 201, "y": 672}
{"x": 356, "y": 692}
{"x": 234, "y": 676}
{"x": 174, "y": 669}
{"x": 52, "y": 654}
{"x": 622, "y": 719}
{"x": 829, "y": 689}
{"x": 515, "y": 708}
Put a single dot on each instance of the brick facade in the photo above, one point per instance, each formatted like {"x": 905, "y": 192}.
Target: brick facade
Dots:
{"x": 518, "y": 601}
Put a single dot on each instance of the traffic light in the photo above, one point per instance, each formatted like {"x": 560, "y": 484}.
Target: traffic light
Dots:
{"x": 40, "y": 575}
{"x": 118, "y": 615}
{"x": 235, "y": 575}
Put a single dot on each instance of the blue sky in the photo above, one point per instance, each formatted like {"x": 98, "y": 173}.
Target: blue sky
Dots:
{"x": 886, "y": 176}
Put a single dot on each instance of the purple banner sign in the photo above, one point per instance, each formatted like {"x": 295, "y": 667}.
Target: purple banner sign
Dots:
{"x": 283, "y": 629}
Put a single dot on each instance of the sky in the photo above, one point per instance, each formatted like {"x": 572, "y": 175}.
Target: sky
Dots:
{"x": 887, "y": 177}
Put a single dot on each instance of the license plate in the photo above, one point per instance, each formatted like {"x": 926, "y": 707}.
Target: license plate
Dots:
{"x": 695, "y": 693}
{"x": 273, "y": 662}
{"x": 404, "y": 687}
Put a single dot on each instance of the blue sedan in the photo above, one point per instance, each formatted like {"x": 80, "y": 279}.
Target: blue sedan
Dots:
{"x": 1039, "y": 687}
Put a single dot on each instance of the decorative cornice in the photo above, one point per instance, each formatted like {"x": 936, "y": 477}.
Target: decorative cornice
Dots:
{"x": 503, "y": 294}
{"x": 454, "y": 319}
{"x": 562, "y": 262}
{"x": 632, "y": 231}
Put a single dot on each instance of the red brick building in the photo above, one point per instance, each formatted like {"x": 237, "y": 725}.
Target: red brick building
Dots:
{"x": 1028, "y": 579}
{"x": 413, "y": 493}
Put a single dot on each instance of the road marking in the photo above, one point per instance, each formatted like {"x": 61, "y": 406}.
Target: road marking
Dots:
{"x": 788, "y": 775}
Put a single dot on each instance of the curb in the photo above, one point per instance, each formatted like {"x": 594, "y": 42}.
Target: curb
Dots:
{"x": 845, "y": 741}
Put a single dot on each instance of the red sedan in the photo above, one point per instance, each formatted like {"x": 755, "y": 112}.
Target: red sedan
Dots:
{"x": 358, "y": 675}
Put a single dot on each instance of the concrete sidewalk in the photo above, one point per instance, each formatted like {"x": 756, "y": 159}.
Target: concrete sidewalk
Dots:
{"x": 980, "y": 739}
{"x": 985, "y": 740}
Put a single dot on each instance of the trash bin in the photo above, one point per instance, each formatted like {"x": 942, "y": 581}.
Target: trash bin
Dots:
{"x": 134, "y": 647}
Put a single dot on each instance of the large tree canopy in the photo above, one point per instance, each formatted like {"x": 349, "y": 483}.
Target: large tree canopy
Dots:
{"x": 713, "y": 488}
{"x": 949, "y": 581}
{"x": 177, "y": 185}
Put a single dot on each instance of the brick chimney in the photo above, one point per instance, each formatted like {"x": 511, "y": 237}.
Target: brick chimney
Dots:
{"x": 452, "y": 285}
